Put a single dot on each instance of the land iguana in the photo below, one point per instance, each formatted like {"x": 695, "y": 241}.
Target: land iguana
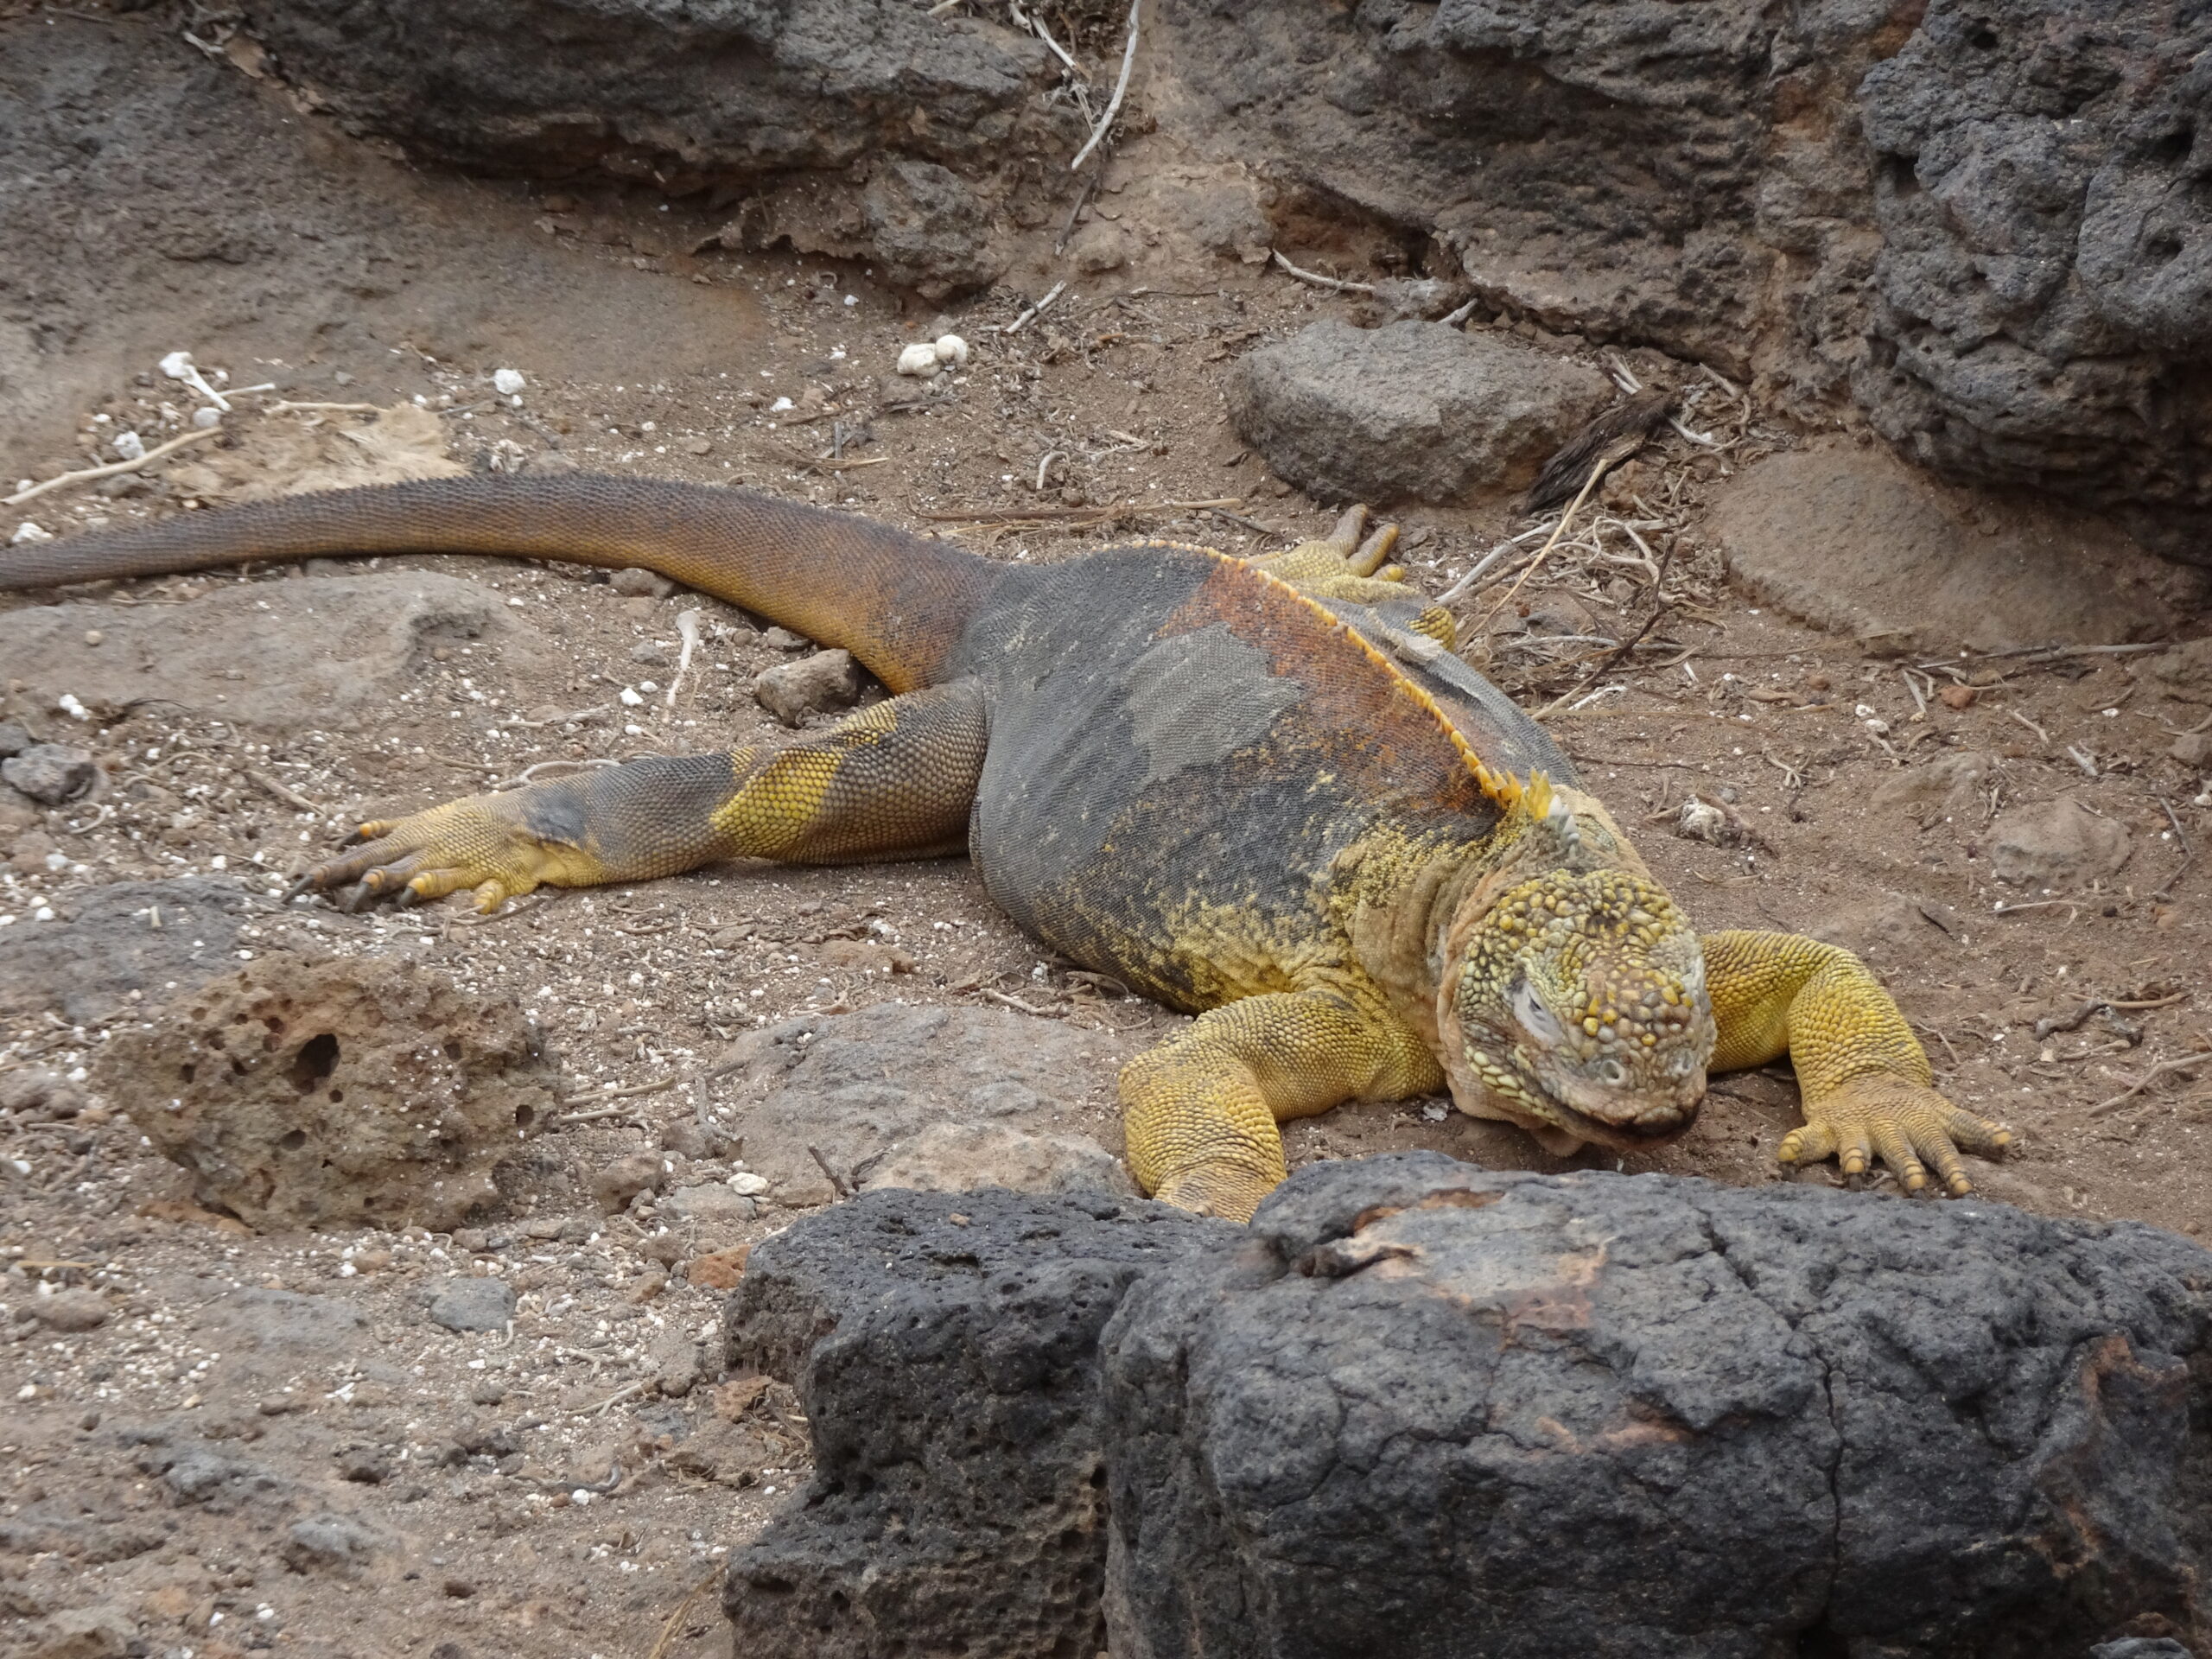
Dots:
{"x": 1261, "y": 791}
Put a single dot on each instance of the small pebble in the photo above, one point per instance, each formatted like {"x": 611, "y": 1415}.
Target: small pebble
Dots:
{"x": 634, "y": 583}
{"x": 472, "y": 1304}
{"x": 71, "y": 1311}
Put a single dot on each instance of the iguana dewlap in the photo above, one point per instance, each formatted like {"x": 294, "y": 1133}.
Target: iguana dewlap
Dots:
{"x": 1260, "y": 790}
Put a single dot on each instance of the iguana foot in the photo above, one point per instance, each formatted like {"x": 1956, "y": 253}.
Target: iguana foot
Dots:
{"x": 1343, "y": 566}
{"x": 1906, "y": 1124}
{"x": 1221, "y": 1190}
{"x": 479, "y": 843}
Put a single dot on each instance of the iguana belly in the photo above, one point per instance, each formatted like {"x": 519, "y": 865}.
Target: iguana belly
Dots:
{"x": 1181, "y": 748}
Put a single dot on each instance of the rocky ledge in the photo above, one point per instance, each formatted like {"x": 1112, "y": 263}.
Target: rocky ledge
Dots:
{"x": 1420, "y": 1408}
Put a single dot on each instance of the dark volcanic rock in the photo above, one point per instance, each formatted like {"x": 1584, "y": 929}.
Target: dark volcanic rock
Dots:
{"x": 855, "y": 126}
{"x": 1988, "y": 226}
{"x": 944, "y": 1346}
{"x": 1413, "y": 412}
{"x": 1428, "y": 1410}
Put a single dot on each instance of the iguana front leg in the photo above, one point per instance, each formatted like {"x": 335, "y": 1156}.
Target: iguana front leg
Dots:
{"x": 895, "y": 780}
{"x": 1342, "y": 566}
{"x": 1199, "y": 1112}
{"x": 1865, "y": 1080}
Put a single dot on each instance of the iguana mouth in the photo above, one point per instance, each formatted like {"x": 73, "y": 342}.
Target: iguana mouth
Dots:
{"x": 1485, "y": 1083}
{"x": 1653, "y": 1124}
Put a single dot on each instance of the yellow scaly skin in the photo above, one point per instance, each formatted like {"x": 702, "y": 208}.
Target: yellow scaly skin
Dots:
{"x": 1541, "y": 972}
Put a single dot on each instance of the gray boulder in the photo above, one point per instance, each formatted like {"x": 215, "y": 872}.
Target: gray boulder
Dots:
{"x": 958, "y": 1157}
{"x": 853, "y": 126}
{"x": 1434, "y": 1411}
{"x": 944, "y": 1346}
{"x": 2056, "y": 844}
{"x": 1413, "y": 412}
{"x": 126, "y": 936}
{"x": 860, "y": 1088}
{"x": 795, "y": 692}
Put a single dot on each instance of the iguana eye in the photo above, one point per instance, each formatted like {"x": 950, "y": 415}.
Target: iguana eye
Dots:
{"x": 1533, "y": 1017}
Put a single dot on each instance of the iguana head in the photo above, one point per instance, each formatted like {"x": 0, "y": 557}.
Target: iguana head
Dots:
{"x": 1572, "y": 998}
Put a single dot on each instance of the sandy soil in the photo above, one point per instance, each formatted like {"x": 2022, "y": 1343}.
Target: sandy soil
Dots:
{"x": 461, "y": 1454}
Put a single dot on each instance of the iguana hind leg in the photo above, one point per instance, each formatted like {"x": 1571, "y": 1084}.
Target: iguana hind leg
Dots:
{"x": 1343, "y": 566}
{"x": 895, "y": 780}
{"x": 1199, "y": 1111}
{"x": 1865, "y": 1082}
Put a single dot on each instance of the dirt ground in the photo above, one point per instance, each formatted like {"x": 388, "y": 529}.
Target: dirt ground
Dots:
{"x": 560, "y": 1485}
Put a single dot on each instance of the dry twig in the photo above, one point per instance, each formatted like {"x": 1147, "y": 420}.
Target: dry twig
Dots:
{"x": 841, "y": 1185}
{"x": 1021, "y": 322}
{"x": 668, "y": 1630}
{"x": 1334, "y": 285}
{"x": 291, "y": 797}
{"x": 1121, "y": 86}
{"x": 2164, "y": 1068}
{"x": 1627, "y": 647}
{"x": 86, "y": 474}
{"x": 1017, "y": 1003}
{"x": 1544, "y": 552}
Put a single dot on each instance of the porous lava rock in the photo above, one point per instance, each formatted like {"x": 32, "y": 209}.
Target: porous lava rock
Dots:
{"x": 848, "y": 127}
{"x": 945, "y": 1347}
{"x": 1412, "y": 411}
{"x": 1986, "y": 228}
{"x": 304, "y": 1092}
{"x": 1432, "y": 1410}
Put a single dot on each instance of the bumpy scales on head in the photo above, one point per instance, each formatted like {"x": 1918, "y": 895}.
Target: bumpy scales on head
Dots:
{"x": 1576, "y": 996}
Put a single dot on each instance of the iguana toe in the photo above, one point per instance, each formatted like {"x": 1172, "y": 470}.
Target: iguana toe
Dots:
{"x": 1372, "y": 553}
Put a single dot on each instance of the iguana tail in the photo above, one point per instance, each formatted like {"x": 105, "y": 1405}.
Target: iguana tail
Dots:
{"x": 896, "y": 600}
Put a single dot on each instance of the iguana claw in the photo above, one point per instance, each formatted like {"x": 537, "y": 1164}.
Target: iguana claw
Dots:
{"x": 1908, "y": 1126}
{"x": 479, "y": 843}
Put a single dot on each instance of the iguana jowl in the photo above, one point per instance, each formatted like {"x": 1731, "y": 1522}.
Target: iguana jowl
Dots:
{"x": 1259, "y": 791}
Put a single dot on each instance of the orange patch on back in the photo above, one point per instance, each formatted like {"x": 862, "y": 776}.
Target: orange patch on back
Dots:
{"x": 1402, "y": 742}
